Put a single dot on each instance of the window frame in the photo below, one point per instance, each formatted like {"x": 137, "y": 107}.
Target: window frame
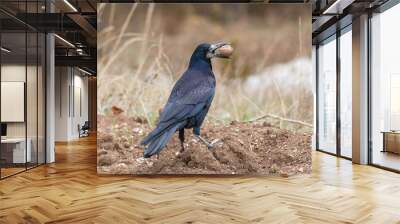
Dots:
{"x": 333, "y": 37}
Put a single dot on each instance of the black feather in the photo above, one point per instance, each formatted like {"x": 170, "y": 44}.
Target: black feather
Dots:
{"x": 188, "y": 103}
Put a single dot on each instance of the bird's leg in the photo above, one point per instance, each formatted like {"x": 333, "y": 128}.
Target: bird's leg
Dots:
{"x": 209, "y": 145}
{"x": 196, "y": 132}
{"x": 182, "y": 148}
{"x": 182, "y": 139}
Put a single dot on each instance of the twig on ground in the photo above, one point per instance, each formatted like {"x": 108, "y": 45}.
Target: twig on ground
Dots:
{"x": 281, "y": 119}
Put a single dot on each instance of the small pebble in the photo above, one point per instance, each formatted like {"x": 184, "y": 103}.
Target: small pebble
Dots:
{"x": 140, "y": 160}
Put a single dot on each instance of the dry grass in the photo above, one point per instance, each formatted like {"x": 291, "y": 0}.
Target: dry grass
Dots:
{"x": 141, "y": 57}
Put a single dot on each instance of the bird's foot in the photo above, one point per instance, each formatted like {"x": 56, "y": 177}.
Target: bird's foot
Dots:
{"x": 213, "y": 143}
{"x": 209, "y": 145}
{"x": 178, "y": 153}
{"x": 181, "y": 150}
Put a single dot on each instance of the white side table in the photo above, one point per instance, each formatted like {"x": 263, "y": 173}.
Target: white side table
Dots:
{"x": 19, "y": 155}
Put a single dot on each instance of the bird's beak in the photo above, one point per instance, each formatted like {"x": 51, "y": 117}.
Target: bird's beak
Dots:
{"x": 220, "y": 50}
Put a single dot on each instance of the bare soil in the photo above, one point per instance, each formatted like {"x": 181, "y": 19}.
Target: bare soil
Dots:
{"x": 243, "y": 148}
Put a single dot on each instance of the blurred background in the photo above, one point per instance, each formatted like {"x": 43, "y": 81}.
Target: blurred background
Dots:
{"x": 144, "y": 48}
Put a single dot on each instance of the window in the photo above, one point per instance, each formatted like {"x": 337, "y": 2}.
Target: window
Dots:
{"x": 385, "y": 89}
{"x": 346, "y": 75}
{"x": 328, "y": 110}
{"x": 327, "y": 96}
{"x": 22, "y": 77}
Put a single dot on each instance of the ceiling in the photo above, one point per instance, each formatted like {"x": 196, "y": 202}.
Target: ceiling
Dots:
{"x": 331, "y": 15}
{"x": 75, "y": 22}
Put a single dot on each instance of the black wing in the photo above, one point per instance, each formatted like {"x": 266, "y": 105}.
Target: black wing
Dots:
{"x": 189, "y": 97}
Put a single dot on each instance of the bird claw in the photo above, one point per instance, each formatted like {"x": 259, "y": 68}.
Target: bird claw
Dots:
{"x": 215, "y": 141}
{"x": 211, "y": 145}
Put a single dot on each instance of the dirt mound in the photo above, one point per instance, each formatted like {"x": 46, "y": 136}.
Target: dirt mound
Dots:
{"x": 243, "y": 148}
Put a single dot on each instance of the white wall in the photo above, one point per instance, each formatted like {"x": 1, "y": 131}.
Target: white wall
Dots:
{"x": 50, "y": 94}
{"x": 360, "y": 90}
{"x": 11, "y": 73}
{"x": 33, "y": 127}
{"x": 82, "y": 82}
{"x": 70, "y": 83}
{"x": 62, "y": 81}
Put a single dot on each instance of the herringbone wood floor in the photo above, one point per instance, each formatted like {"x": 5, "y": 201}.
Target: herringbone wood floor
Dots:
{"x": 70, "y": 191}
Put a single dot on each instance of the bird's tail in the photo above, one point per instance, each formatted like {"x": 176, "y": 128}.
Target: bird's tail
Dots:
{"x": 154, "y": 134}
{"x": 156, "y": 142}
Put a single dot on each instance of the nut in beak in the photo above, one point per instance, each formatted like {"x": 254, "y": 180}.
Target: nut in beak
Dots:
{"x": 224, "y": 51}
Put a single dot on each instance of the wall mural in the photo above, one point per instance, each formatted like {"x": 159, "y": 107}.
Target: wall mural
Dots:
{"x": 204, "y": 89}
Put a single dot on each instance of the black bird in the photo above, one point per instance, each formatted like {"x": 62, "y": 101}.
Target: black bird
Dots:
{"x": 189, "y": 101}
